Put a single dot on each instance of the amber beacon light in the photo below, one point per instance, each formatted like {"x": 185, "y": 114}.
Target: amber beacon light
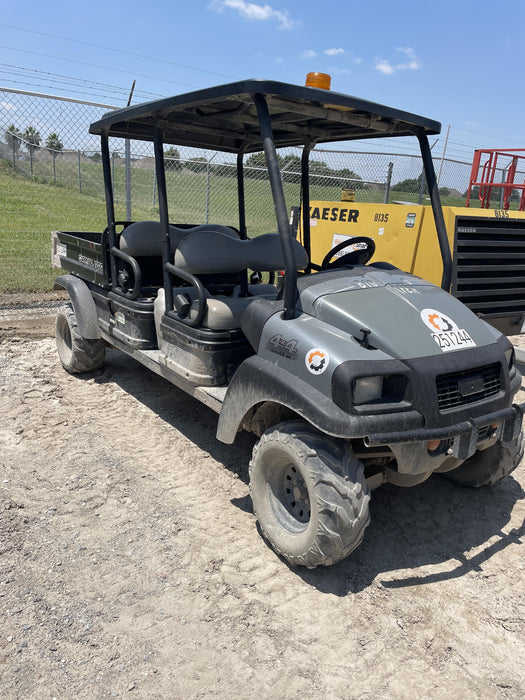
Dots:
{"x": 318, "y": 80}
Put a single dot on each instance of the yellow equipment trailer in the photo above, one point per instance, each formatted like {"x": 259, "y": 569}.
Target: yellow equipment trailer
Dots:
{"x": 487, "y": 245}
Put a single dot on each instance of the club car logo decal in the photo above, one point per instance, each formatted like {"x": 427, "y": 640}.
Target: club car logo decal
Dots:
{"x": 445, "y": 331}
{"x": 316, "y": 360}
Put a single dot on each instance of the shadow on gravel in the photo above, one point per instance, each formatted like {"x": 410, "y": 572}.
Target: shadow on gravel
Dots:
{"x": 431, "y": 525}
{"x": 180, "y": 411}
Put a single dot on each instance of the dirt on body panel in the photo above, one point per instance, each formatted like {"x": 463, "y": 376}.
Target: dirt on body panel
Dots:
{"x": 131, "y": 565}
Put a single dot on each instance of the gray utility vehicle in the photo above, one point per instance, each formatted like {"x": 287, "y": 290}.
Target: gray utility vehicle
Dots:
{"x": 351, "y": 374}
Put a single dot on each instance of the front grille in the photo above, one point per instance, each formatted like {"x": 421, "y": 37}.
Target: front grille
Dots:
{"x": 469, "y": 386}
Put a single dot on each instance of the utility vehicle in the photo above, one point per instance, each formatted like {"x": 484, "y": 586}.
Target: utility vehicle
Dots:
{"x": 352, "y": 374}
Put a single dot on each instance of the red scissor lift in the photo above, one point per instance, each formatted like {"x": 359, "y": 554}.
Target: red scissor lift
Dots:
{"x": 509, "y": 161}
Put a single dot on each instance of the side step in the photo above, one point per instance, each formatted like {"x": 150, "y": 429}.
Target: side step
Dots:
{"x": 211, "y": 396}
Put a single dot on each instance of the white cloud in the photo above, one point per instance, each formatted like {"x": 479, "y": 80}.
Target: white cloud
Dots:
{"x": 334, "y": 52}
{"x": 384, "y": 67}
{"x": 8, "y": 106}
{"x": 308, "y": 53}
{"x": 253, "y": 12}
{"x": 412, "y": 62}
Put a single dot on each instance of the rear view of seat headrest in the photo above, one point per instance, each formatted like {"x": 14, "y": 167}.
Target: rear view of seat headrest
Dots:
{"x": 209, "y": 252}
{"x": 144, "y": 238}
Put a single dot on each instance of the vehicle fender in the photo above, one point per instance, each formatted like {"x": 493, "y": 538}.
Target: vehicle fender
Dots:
{"x": 257, "y": 380}
{"x": 83, "y": 305}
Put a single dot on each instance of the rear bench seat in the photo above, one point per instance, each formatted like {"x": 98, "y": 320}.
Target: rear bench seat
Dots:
{"x": 215, "y": 252}
{"x": 145, "y": 238}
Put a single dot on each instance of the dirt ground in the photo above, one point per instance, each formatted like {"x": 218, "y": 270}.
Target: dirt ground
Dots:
{"x": 131, "y": 565}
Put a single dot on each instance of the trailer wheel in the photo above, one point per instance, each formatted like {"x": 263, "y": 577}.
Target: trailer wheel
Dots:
{"x": 489, "y": 466}
{"x": 309, "y": 495}
{"x": 77, "y": 354}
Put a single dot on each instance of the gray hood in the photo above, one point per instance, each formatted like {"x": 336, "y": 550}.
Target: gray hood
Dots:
{"x": 404, "y": 314}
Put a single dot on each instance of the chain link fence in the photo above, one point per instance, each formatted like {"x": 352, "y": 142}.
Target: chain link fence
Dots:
{"x": 51, "y": 178}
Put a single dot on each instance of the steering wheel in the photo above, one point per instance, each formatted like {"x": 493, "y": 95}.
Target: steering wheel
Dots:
{"x": 355, "y": 257}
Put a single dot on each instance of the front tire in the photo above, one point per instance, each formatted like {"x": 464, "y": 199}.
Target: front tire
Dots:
{"x": 489, "y": 466}
{"x": 77, "y": 354}
{"x": 309, "y": 495}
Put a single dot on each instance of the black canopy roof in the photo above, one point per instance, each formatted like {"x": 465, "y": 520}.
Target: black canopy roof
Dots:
{"x": 224, "y": 118}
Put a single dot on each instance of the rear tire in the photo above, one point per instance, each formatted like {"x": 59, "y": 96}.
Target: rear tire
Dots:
{"x": 489, "y": 466}
{"x": 309, "y": 495}
{"x": 77, "y": 354}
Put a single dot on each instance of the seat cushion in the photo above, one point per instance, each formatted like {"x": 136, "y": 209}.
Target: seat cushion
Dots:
{"x": 208, "y": 252}
{"x": 144, "y": 238}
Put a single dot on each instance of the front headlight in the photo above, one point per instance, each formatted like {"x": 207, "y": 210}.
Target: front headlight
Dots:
{"x": 356, "y": 391}
{"x": 367, "y": 390}
{"x": 379, "y": 392}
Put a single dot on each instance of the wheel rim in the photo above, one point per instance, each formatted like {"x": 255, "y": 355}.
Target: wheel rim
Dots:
{"x": 64, "y": 339}
{"x": 288, "y": 496}
{"x": 66, "y": 336}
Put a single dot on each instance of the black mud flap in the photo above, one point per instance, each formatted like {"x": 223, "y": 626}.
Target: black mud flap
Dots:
{"x": 83, "y": 305}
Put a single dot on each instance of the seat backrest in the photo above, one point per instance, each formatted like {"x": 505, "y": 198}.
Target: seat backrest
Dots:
{"x": 213, "y": 252}
{"x": 144, "y": 238}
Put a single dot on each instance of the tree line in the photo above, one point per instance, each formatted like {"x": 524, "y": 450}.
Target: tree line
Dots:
{"x": 32, "y": 140}
{"x": 414, "y": 185}
{"x": 256, "y": 168}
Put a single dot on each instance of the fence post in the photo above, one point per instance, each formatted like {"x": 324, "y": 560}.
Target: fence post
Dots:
{"x": 79, "y": 174}
{"x": 388, "y": 182}
{"x": 208, "y": 186}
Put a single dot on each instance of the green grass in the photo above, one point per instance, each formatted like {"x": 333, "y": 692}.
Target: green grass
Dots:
{"x": 29, "y": 211}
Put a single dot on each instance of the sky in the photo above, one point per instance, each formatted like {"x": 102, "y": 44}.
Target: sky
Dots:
{"x": 460, "y": 63}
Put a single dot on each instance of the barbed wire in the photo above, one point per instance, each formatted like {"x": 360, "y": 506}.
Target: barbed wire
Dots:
{"x": 35, "y": 74}
{"x": 103, "y": 67}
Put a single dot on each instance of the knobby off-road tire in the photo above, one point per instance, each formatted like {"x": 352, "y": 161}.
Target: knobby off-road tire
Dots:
{"x": 77, "y": 354}
{"x": 309, "y": 495}
{"x": 489, "y": 466}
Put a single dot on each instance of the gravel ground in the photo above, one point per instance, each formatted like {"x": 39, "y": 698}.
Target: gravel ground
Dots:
{"x": 131, "y": 565}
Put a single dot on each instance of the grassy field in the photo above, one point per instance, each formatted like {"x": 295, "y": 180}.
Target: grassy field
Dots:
{"x": 29, "y": 211}
{"x": 30, "y": 208}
